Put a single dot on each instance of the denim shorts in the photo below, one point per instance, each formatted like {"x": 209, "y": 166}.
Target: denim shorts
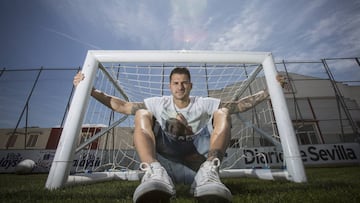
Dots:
{"x": 179, "y": 173}
{"x": 182, "y": 158}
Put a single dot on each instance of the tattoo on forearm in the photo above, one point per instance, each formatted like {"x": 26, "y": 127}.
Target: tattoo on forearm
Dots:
{"x": 215, "y": 153}
{"x": 232, "y": 106}
{"x": 245, "y": 103}
{"x": 137, "y": 106}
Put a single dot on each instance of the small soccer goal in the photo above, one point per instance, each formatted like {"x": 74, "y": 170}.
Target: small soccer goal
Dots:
{"x": 96, "y": 143}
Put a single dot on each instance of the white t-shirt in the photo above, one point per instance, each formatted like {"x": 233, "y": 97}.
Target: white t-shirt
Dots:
{"x": 198, "y": 113}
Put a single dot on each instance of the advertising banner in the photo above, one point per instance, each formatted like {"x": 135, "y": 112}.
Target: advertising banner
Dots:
{"x": 260, "y": 157}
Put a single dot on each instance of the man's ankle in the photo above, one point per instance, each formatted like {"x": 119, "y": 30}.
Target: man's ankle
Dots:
{"x": 215, "y": 153}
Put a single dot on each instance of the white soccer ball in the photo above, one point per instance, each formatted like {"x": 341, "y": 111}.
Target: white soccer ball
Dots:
{"x": 25, "y": 166}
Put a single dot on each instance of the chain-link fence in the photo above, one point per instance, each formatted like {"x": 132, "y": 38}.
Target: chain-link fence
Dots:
{"x": 323, "y": 98}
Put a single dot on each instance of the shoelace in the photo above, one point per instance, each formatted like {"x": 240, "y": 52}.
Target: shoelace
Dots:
{"x": 144, "y": 166}
{"x": 212, "y": 174}
{"x": 149, "y": 170}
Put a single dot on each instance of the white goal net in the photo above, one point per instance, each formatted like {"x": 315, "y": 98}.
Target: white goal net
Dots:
{"x": 97, "y": 144}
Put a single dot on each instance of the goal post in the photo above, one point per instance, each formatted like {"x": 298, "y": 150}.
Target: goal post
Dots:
{"x": 60, "y": 170}
{"x": 60, "y": 167}
{"x": 289, "y": 143}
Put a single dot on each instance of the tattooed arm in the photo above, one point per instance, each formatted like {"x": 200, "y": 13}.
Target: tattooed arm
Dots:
{"x": 112, "y": 102}
{"x": 245, "y": 103}
{"x": 116, "y": 103}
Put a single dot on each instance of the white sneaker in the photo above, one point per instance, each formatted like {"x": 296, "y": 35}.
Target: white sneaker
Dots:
{"x": 155, "y": 186}
{"x": 207, "y": 186}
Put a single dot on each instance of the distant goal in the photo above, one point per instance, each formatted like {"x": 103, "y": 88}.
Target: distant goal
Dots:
{"x": 96, "y": 143}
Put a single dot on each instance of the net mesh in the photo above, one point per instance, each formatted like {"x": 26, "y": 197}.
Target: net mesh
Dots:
{"x": 106, "y": 139}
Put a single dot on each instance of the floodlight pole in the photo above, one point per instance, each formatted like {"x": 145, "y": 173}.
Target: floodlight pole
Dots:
{"x": 64, "y": 155}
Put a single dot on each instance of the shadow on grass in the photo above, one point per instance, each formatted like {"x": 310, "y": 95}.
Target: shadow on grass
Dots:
{"x": 324, "y": 185}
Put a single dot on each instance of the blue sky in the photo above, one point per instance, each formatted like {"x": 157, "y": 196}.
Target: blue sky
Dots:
{"x": 58, "y": 33}
{"x": 53, "y": 33}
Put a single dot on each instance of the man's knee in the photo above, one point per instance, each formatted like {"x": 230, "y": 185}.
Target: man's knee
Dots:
{"x": 222, "y": 120}
{"x": 222, "y": 114}
{"x": 143, "y": 113}
{"x": 143, "y": 117}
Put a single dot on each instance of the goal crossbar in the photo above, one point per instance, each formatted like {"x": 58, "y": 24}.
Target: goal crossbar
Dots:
{"x": 60, "y": 169}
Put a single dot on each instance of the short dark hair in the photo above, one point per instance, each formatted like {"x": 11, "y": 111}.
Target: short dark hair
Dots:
{"x": 180, "y": 70}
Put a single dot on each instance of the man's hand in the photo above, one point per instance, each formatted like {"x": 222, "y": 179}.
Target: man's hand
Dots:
{"x": 282, "y": 80}
{"x": 177, "y": 127}
{"x": 78, "y": 78}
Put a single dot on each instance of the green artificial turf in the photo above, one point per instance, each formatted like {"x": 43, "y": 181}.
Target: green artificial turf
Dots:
{"x": 340, "y": 184}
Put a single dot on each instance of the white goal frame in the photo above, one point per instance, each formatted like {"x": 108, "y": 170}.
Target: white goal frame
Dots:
{"x": 60, "y": 169}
